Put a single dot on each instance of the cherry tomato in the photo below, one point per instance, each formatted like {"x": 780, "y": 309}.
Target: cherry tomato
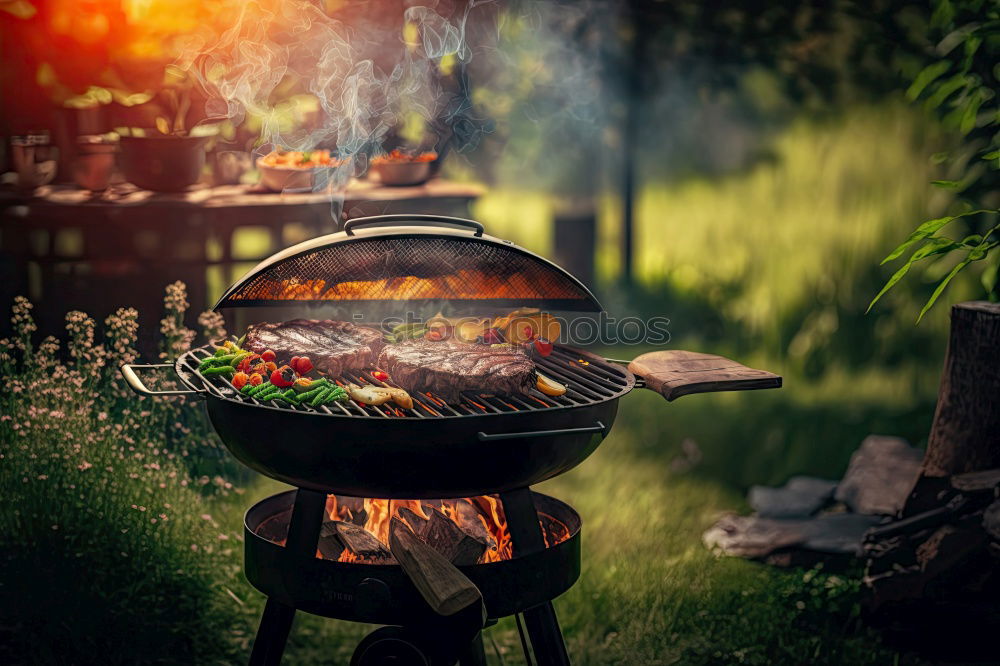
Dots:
{"x": 492, "y": 337}
{"x": 433, "y": 334}
{"x": 268, "y": 355}
{"x": 527, "y": 332}
{"x": 256, "y": 379}
{"x": 301, "y": 364}
{"x": 381, "y": 376}
{"x": 270, "y": 366}
{"x": 240, "y": 380}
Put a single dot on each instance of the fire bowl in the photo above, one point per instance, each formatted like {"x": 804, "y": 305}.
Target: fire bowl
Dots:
{"x": 382, "y": 593}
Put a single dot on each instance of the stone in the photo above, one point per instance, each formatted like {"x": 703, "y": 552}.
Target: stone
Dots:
{"x": 756, "y": 537}
{"x": 800, "y": 497}
{"x": 880, "y": 476}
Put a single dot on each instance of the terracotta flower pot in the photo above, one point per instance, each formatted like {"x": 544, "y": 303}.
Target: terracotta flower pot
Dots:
{"x": 163, "y": 163}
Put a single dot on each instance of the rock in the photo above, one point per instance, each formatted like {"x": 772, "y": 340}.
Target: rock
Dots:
{"x": 800, "y": 497}
{"x": 991, "y": 520}
{"x": 755, "y": 537}
{"x": 880, "y": 476}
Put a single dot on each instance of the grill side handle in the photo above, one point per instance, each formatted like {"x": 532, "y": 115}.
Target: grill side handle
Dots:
{"x": 674, "y": 373}
{"x": 132, "y": 379}
{"x": 597, "y": 427}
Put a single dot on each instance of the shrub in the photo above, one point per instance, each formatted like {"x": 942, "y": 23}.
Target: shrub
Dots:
{"x": 107, "y": 552}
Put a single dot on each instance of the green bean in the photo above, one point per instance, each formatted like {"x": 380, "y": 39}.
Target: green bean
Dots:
{"x": 311, "y": 393}
{"x": 260, "y": 388}
{"x": 221, "y": 370}
{"x": 268, "y": 395}
{"x": 320, "y": 398}
{"x": 246, "y": 388}
{"x": 338, "y": 394}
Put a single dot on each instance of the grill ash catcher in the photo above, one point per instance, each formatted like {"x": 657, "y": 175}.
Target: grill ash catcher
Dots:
{"x": 430, "y": 466}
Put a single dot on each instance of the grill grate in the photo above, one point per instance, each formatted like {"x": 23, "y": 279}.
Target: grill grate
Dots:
{"x": 588, "y": 380}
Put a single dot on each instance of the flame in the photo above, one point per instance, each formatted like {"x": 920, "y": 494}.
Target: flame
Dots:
{"x": 462, "y": 284}
{"x": 379, "y": 513}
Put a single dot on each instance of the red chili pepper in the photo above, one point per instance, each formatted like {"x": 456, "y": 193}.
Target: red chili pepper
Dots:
{"x": 245, "y": 364}
{"x": 543, "y": 346}
{"x": 268, "y": 355}
{"x": 528, "y": 332}
{"x": 240, "y": 380}
{"x": 283, "y": 377}
{"x": 294, "y": 363}
{"x": 256, "y": 379}
{"x": 381, "y": 376}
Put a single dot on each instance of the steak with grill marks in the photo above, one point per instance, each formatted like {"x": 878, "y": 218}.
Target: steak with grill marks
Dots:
{"x": 448, "y": 368}
{"x": 333, "y": 347}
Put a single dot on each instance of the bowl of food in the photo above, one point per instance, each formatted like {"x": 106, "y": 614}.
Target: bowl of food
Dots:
{"x": 401, "y": 167}
{"x": 282, "y": 170}
{"x": 162, "y": 162}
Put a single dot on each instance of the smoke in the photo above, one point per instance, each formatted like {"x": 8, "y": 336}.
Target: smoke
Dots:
{"x": 369, "y": 69}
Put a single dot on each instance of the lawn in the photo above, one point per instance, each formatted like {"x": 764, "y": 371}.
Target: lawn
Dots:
{"x": 767, "y": 265}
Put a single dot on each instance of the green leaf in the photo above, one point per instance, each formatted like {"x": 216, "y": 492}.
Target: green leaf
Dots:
{"x": 946, "y": 184}
{"x": 989, "y": 277}
{"x": 945, "y": 90}
{"x": 992, "y": 155}
{"x": 927, "y": 229}
{"x": 943, "y": 14}
{"x": 971, "y": 112}
{"x": 925, "y": 77}
{"x": 936, "y": 245}
{"x": 941, "y": 285}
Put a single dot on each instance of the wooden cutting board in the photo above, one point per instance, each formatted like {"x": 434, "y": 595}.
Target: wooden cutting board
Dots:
{"x": 676, "y": 372}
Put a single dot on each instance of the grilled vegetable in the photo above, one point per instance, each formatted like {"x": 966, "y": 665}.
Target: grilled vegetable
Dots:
{"x": 401, "y": 398}
{"x": 270, "y": 366}
{"x": 256, "y": 379}
{"x": 306, "y": 385}
{"x": 290, "y": 396}
{"x": 239, "y": 343}
{"x": 381, "y": 376}
{"x": 283, "y": 377}
{"x": 238, "y": 358}
{"x": 268, "y": 355}
{"x": 214, "y": 361}
{"x": 301, "y": 364}
{"x": 543, "y": 346}
{"x": 492, "y": 336}
{"x": 240, "y": 380}
{"x": 549, "y": 386}
{"x": 221, "y": 370}
{"x": 247, "y": 388}
{"x": 407, "y": 332}
{"x": 268, "y": 394}
{"x": 221, "y": 351}
{"x": 260, "y": 389}
{"x": 434, "y": 334}
{"x": 246, "y": 362}
{"x": 368, "y": 394}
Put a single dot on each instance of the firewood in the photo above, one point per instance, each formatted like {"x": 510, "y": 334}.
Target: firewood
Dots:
{"x": 362, "y": 543}
{"x": 275, "y": 528}
{"x": 443, "y": 586}
{"x": 329, "y": 544}
{"x": 470, "y": 520}
{"x": 416, "y": 523}
{"x": 450, "y": 540}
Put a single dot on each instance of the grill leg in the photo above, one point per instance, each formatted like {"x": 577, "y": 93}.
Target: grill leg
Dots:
{"x": 303, "y": 534}
{"x": 526, "y": 537}
{"x": 475, "y": 653}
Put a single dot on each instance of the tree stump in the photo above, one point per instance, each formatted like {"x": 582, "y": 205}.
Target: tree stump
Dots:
{"x": 965, "y": 434}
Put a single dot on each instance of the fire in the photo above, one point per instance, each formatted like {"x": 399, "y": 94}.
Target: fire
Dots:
{"x": 463, "y": 284}
{"x": 379, "y": 513}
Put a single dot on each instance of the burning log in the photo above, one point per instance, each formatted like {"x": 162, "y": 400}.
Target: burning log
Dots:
{"x": 471, "y": 522}
{"x": 447, "y": 538}
{"x": 337, "y": 536}
{"x": 443, "y": 586}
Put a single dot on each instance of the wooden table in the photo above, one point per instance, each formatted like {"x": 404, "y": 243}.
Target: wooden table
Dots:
{"x": 68, "y": 249}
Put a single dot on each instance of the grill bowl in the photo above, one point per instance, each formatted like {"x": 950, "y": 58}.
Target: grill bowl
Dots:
{"x": 437, "y": 457}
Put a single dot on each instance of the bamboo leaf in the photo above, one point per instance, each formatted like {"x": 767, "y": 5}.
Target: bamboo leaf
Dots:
{"x": 945, "y": 90}
{"x": 926, "y": 230}
{"x": 941, "y": 285}
{"x": 946, "y": 184}
{"x": 925, "y": 77}
{"x": 971, "y": 112}
{"x": 936, "y": 245}
{"x": 992, "y": 155}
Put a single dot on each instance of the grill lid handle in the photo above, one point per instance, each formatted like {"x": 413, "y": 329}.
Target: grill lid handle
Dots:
{"x": 675, "y": 372}
{"x": 414, "y": 220}
{"x": 128, "y": 371}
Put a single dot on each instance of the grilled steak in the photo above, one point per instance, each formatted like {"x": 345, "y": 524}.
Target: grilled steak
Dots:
{"x": 448, "y": 368}
{"x": 332, "y": 346}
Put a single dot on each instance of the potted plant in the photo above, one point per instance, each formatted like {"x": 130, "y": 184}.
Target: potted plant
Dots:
{"x": 167, "y": 157}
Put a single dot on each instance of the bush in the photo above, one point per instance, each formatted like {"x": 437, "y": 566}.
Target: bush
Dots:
{"x": 107, "y": 552}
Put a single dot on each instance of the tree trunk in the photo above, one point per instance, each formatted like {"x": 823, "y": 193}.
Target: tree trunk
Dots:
{"x": 965, "y": 435}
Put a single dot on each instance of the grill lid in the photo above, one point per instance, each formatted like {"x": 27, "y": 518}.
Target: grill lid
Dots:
{"x": 410, "y": 258}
